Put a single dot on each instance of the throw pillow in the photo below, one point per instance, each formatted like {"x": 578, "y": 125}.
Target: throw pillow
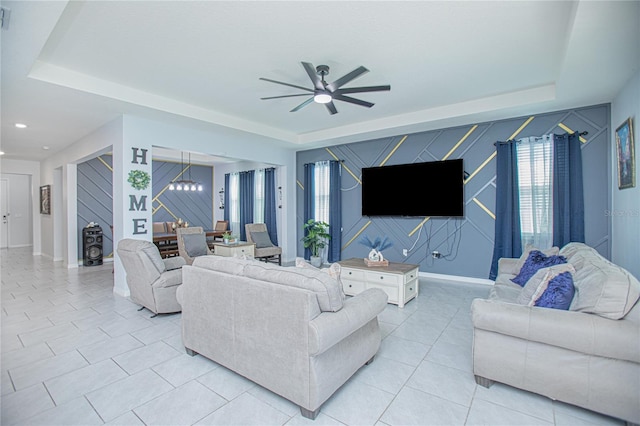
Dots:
{"x": 261, "y": 239}
{"x": 559, "y": 293}
{"x": 536, "y": 260}
{"x": 333, "y": 270}
{"x": 538, "y": 283}
{"x": 530, "y": 247}
{"x": 195, "y": 244}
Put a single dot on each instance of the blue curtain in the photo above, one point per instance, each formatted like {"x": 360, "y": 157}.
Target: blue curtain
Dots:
{"x": 568, "y": 195}
{"x": 246, "y": 183}
{"x": 226, "y": 198}
{"x": 507, "y": 241}
{"x": 309, "y": 192}
{"x": 335, "y": 211}
{"x": 270, "y": 204}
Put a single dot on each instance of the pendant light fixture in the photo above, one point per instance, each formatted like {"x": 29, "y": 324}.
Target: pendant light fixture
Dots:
{"x": 185, "y": 184}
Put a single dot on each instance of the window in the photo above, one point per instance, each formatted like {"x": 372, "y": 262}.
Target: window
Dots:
{"x": 234, "y": 201}
{"x": 321, "y": 182}
{"x": 535, "y": 180}
{"x": 258, "y": 203}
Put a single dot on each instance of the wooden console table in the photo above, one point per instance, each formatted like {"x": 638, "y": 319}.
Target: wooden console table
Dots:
{"x": 398, "y": 280}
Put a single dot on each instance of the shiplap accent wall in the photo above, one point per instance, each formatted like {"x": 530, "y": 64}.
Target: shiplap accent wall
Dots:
{"x": 467, "y": 243}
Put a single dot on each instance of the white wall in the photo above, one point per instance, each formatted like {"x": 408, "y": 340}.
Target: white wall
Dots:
{"x": 32, "y": 169}
{"x": 625, "y": 212}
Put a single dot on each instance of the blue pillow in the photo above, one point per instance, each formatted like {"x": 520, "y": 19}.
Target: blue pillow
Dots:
{"x": 559, "y": 292}
{"x": 536, "y": 260}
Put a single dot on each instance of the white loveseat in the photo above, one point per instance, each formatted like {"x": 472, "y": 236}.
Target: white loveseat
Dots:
{"x": 587, "y": 356}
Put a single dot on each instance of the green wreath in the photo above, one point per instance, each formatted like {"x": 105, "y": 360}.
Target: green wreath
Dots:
{"x": 139, "y": 179}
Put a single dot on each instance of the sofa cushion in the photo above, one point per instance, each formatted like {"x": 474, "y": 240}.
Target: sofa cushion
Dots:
{"x": 261, "y": 239}
{"x": 195, "y": 244}
{"x": 536, "y": 260}
{"x": 603, "y": 288}
{"x": 538, "y": 283}
{"x": 151, "y": 251}
{"x": 328, "y": 291}
{"x": 559, "y": 293}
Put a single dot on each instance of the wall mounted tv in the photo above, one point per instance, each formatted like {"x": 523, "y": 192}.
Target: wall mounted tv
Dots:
{"x": 418, "y": 189}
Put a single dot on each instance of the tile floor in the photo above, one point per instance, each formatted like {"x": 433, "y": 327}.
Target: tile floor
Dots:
{"x": 73, "y": 353}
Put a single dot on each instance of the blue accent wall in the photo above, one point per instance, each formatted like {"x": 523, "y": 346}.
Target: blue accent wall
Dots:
{"x": 95, "y": 197}
{"x": 467, "y": 243}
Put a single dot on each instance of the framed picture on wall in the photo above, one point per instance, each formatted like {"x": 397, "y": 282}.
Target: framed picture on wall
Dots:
{"x": 45, "y": 199}
{"x": 626, "y": 155}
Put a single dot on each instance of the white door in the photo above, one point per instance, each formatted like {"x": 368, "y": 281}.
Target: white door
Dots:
{"x": 4, "y": 214}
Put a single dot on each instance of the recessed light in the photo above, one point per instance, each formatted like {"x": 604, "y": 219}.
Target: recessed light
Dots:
{"x": 45, "y": 147}
{"x": 21, "y": 126}
{"x": 1, "y": 152}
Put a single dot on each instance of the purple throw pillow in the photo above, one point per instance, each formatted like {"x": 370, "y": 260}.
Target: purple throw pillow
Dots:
{"x": 536, "y": 260}
{"x": 559, "y": 292}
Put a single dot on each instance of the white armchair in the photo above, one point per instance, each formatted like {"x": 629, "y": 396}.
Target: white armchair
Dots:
{"x": 152, "y": 281}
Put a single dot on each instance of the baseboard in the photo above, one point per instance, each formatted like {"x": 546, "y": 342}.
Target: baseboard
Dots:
{"x": 458, "y": 278}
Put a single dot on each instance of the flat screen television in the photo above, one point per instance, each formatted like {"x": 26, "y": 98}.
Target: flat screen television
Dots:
{"x": 419, "y": 189}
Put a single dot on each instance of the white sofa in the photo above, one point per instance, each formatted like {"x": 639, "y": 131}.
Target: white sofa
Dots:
{"x": 587, "y": 356}
{"x": 289, "y": 330}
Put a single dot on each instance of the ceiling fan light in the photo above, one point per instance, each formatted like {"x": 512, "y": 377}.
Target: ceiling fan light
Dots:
{"x": 322, "y": 98}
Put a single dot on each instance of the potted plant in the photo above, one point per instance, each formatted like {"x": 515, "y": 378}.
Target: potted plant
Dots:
{"x": 226, "y": 237}
{"x": 315, "y": 239}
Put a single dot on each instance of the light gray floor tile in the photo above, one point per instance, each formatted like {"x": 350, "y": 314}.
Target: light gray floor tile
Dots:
{"x": 127, "y": 419}
{"x": 226, "y": 383}
{"x": 73, "y": 315}
{"x": 26, "y": 326}
{"x": 406, "y": 351}
{"x": 357, "y": 403}
{"x": 52, "y": 310}
{"x": 517, "y": 399}
{"x": 109, "y": 348}
{"x": 386, "y": 328}
{"x": 487, "y": 413}
{"x": 561, "y": 409}
{"x": 45, "y": 334}
{"x": 274, "y": 400}
{"x": 183, "y": 368}
{"x": 76, "y": 412}
{"x": 125, "y": 325}
{"x": 117, "y": 398}
{"x": 450, "y": 355}
{"x": 25, "y": 356}
{"x": 77, "y": 340}
{"x": 245, "y": 410}
{"x": 10, "y": 343}
{"x": 412, "y": 407}
{"x": 182, "y": 406}
{"x": 563, "y": 419}
{"x": 418, "y": 332}
{"x": 145, "y": 357}
{"x": 321, "y": 420}
{"x": 456, "y": 335}
{"x": 29, "y": 375}
{"x": 385, "y": 374}
{"x": 393, "y": 315}
{"x": 25, "y": 403}
{"x": 82, "y": 381}
{"x": 445, "y": 382}
{"x": 7, "y": 385}
{"x": 175, "y": 342}
{"x": 157, "y": 332}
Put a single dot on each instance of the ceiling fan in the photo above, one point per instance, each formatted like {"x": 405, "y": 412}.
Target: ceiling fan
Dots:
{"x": 325, "y": 93}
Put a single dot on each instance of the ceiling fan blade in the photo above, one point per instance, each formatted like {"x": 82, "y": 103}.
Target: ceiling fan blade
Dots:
{"x": 352, "y": 100}
{"x": 302, "y": 105}
{"x": 362, "y": 89}
{"x": 331, "y": 108}
{"x": 286, "y": 84}
{"x": 347, "y": 78}
{"x": 284, "y": 96}
{"x": 315, "y": 79}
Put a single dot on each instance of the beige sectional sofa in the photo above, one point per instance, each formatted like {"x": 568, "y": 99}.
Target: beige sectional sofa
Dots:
{"x": 289, "y": 330}
{"x": 587, "y": 356}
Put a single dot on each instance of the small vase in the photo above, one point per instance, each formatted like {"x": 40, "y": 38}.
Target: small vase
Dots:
{"x": 315, "y": 261}
{"x": 374, "y": 255}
